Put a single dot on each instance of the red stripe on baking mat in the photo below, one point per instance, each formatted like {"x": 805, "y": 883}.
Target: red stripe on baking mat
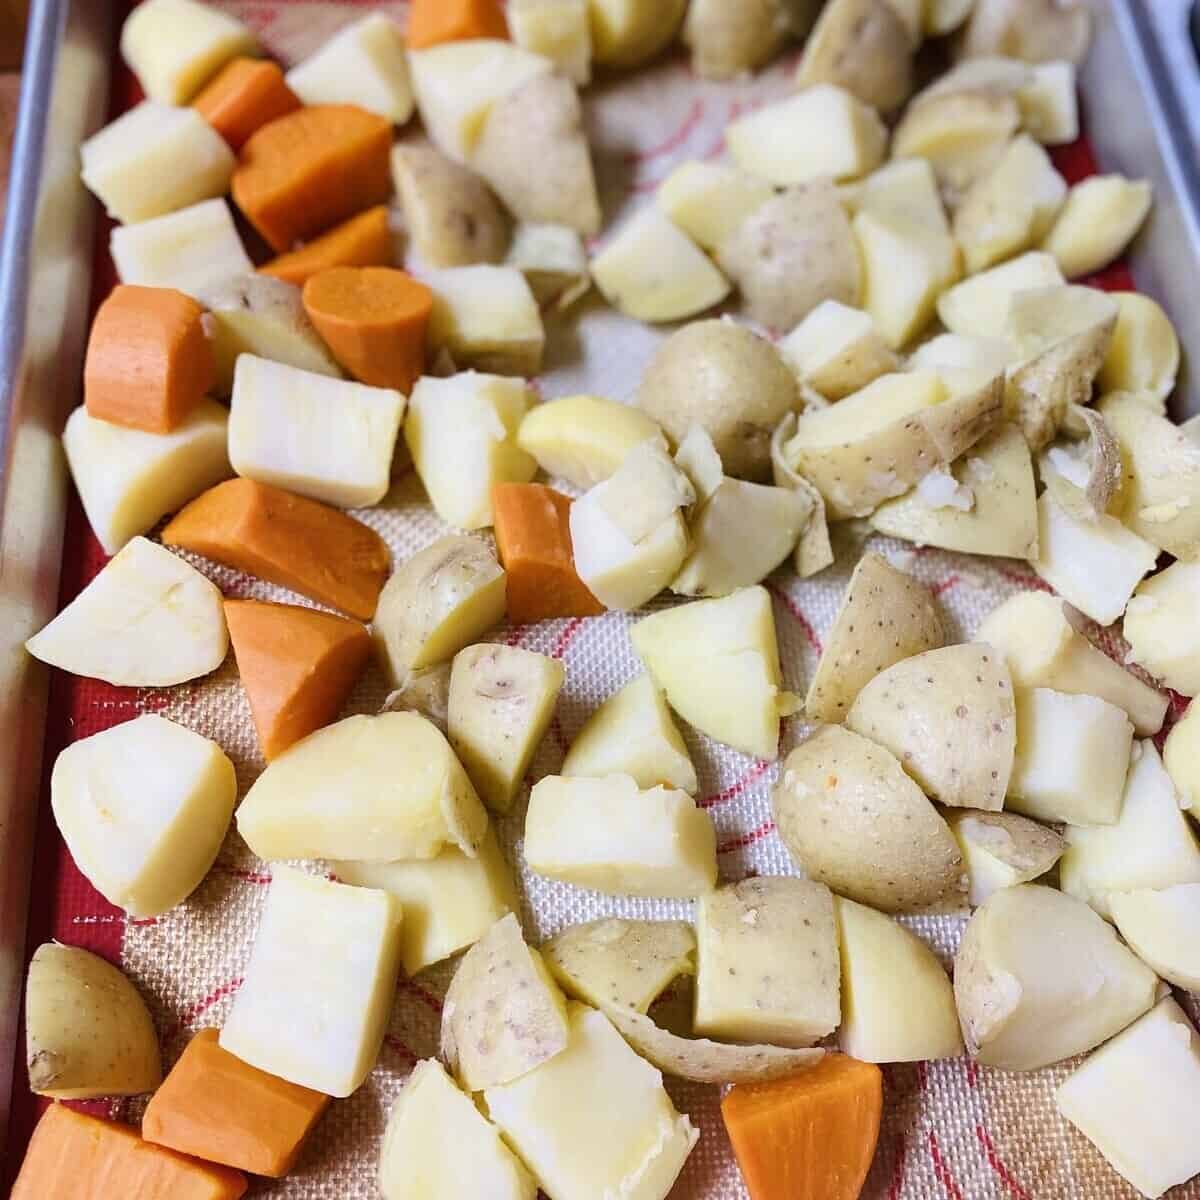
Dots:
{"x": 747, "y": 839}
{"x": 942, "y": 1169}
{"x": 994, "y": 1161}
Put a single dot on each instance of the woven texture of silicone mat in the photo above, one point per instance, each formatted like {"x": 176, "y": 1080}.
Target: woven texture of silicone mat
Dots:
{"x": 951, "y": 1131}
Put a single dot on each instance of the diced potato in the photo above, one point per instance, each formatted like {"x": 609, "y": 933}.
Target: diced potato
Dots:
{"x": 457, "y": 83}
{"x": 1162, "y": 627}
{"x": 319, "y": 1028}
{"x": 612, "y": 963}
{"x": 965, "y": 352}
{"x": 880, "y": 961}
{"x": 651, "y": 270}
{"x": 1152, "y": 845}
{"x": 814, "y": 551}
{"x": 728, "y": 40}
{"x": 503, "y": 1016}
{"x": 193, "y": 250}
{"x": 627, "y": 33}
{"x": 1163, "y": 929}
{"x": 608, "y": 835}
{"x": 87, "y": 1030}
{"x": 904, "y": 189}
{"x": 1102, "y": 215}
{"x": 632, "y": 733}
{"x": 487, "y": 318}
{"x": 449, "y": 902}
{"x": 143, "y": 808}
{"x": 885, "y": 616}
{"x": 461, "y": 433}
{"x": 175, "y": 47}
{"x": 698, "y": 459}
{"x": 945, "y": 16}
{"x": 767, "y": 962}
{"x": 1039, "y": 977}
{"x": 363, "y": 64}
{"x": 1072, "y": 757}
{"x": 708, "y": 201}
{"x": 437, "y": 1143}
{"x": 584, "y": 439}
{"x": 1143, "y": 356}
{"x": 147, "y": 620}
{"x": 837, "y": 350}
{"x": 155, "y": 159}
{"x": 948, "y": 716}
{"x": 852, "y": 819}
{"x": 978, "y": 306}
{"x": 557, "y": 30}
{"x": 1181, "y": 757}
{"x": 368, "y": 789}
{"x": 1094, "y": 565}
{"x": 1049, "y": 102}
{"x": 821, "y": 132}
{"x": 501, "y": 702}
{"x": 1137, "y": 1100}
{"x": 594, "y": 1120}
{"x": 553, "y": 261}
{"x": 1002, "y": 849}
{"x": 718, "y": 663}
{"x": 436, "y": 602}
{"x": 129, "y": 479}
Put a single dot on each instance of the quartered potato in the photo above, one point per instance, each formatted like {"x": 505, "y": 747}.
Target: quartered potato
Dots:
{"x": 426, "y": 692}
{"x": 1101, "y": 216}
{"x": 627, "y": 33}
{"x": 837, "y": 350}
{"x": 1050, "y": 103}
{"x": 978, "y": 307}
{"x": 727, "y": 39}
{"x": 553, "y": 261}
{"x": 948, "y": 716}
{"x": 1032, "y": 30}
{"x": 964, "y": 351}
{"x": 885, "y": 616}
{"x": 557, "y": 30}
{"x": 1039, "y": 977}
{"x": 853, "y": 819}
{"x": 1143, "y": 356}
{"x": 708, "y": 200}
{"x": 1181, "y": 757}
{"x": 1162, "y": 628}
{"x": 814, "y": 551}
{"x": 1002, "y": 849}
{"x": 1162, "y": 927}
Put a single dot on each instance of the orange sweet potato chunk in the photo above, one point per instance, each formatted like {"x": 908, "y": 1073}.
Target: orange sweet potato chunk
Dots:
{"x": 431, "y": 22}
{"x": 362, "y": 241}
{"x": 216, "y": 1107}
{"x": 246, "y": 95}
{"x": 290, "y": 540}
{"x": 72, "y": 1156}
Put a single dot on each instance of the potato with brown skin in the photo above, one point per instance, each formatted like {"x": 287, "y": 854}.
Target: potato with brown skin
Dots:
{"x": 814, "y": 550}
{"x": 729, "y": 381}
{"x": 1031, "y": 30}
{"x": 729, "y": 37}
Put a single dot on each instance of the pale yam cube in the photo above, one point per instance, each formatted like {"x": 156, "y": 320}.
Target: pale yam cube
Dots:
{"x": 837, "y": 350}
{"x": 1101, "y": 216}
{"x": 708, "y": 201}
{"x": 1162, "y": 627}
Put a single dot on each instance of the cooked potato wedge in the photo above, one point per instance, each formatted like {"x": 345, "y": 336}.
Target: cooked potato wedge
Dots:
{"x": 978, "y": 307}
{"x": 814, "y": 550}
{"x": 727, "y": 39}
{"x": 708, "y": 201}
{"x": 1002, "y": 849}
{"x": 426, "y": 692}
{"x": 554, "y": 263}
{"x": 1032, "y": 30}
{"x": 837, "y": 350}
{"x": 1162, "y": 927}
{"x": 1050, "y": 103}
{"x": 1181, "y": 757}
{"x": 1143, "y": 356}
{"x": 1101, "y": 216}
{"x": 1162, "y": 625}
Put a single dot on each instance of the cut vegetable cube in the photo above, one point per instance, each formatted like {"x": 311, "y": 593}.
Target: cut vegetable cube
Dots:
{"x": 1163, "y": 929}
{"x": 1002, "y": 849}
{"x": 978, "y": 307}
{"x": 837, "y": 350}
{"x": 1101, "y": 217}
{"x": 1162, "y": 627}
{"x": 1049, "y": 103}
{"x": 708, "y": 201}
{"x": 486, "y": 318}
{"x": 1143, "y": 356}
{"x": 1181, "y": 757}
{"x": 553, "y": 261}
{"x": 243, "y": 96}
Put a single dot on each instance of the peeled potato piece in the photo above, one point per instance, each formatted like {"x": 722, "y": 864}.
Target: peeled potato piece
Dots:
{"x": 1101, "y": 216}
{"x": 1002, "y": 849}
{"x": 1161, "y": 627}
{"x": 1031, "y": 30}
{"x": 1143, "y": 355}
{"x": 557, "y": 30}
{"x": 978, "y": 307}
{"x": 1162, "y": 928}
{"x": 708, "y": 201}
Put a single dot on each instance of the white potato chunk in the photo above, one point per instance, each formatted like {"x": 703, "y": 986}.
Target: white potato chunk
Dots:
{"x": 1181, "y": 757}
{"x": 1143, "y": 356}
{"x": 88, "y": 1032}
{"x": 557, "y": 30}
{"x": 457, "y": 83}
{"x": 613, "y": 963}
{"x": 718, "y": 663}
{"x": 609, "y": 835}
{"x": 1039, "y": 977}
{"x": 1162, "y": 928}
{"x": 175, "y": 47}
{"x": 1162, "y": 627}
{"x": 1002, "y": 849}
{"x": 698, "y": 459}
{"x": 821, "y": 132}
{"x": 193, "y": 250}
{"x": 885, "y": 616}
{"x": 449, "y": 902}
{"x": 1137, "y": 1100}
{"x": 435, "y": 603}
{"x": 147, "y": 620}
{"x": 880, "y": 961}
{"x": 814, "y": 551}
{"x": 1032, "y": 31}
{"x": 727, "y": 40}
{"x": 837, "y": 350}
{"x": 501, "y": 702}
{"x": 330, "y": 439}
{"x": 708, "y": 201}
{"x": 1049, "y": 102}
{"x": 978, "y": 306}
{"x": 553, "y": 261}
{"x": 1072, "y": 757}
{"x": 948, "y": 716}
{"x": 1152, "y": 845}
{"x": 632, "y": 733}
{"x": 363, "y": 64}
{"x": 368, "y": 789}
{"x": 851, "y": 818}
{"x": 486, "y": 318}
{"x": 904, "y": 189}
{"x": 461, "y": 433}
{"x": 1102, "y": 215}
{"x": 503, "y": 1015}
{"x": 965, "y": 352}
{"x": 594, "y": 1120}
{"x": 945, "y": 16}
{"x": 767, "y": 962}
{"x": 129, "y": 479}
{"x": 320, "y": 1029}
{"x": 437, "y": 1143}
{"x": 627, "y": 33}
{"x": 651, "y": 270}
{"x": 143, "y": 808}
{"x": 155, "y": 159}
{"x": 584, "y": 439}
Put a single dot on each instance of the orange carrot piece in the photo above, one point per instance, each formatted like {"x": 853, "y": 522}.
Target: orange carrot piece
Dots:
{"x": 809, "y": 1136}
{"x": 72, "y": 1156}
{"x": 362, "y": 241}
{"x": 302, "y": 173}
{"x": 533, "y": 535}
{"x": 297, "y": 666}
{"x": 221, "y": 1109}
{"x": 373, "y": 319}
{"x": 245, "y": 95}
{"x": 431, "y": 22}
{"x": 289, "y": 540}
{"x": 148, "y": 362}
